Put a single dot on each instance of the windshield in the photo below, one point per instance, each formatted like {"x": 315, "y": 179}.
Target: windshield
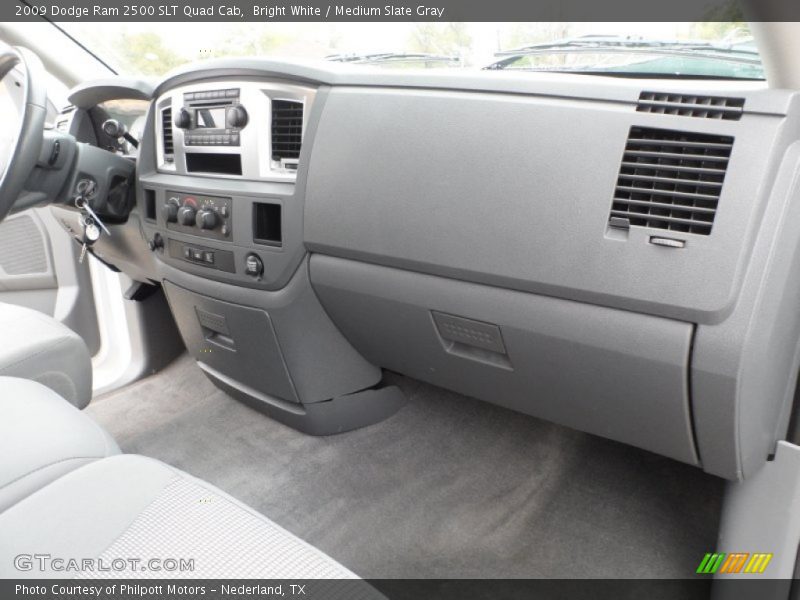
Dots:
{"x": 708, "y": 49}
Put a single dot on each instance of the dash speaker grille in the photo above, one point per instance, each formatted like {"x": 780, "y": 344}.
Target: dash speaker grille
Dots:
{"x": 23, "y": 249}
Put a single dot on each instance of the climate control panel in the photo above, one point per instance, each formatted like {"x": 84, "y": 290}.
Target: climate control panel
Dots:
{"x": 207, "y": 216}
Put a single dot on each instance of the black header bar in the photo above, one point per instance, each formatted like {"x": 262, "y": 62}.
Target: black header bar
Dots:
{"x": 399, "y": 10}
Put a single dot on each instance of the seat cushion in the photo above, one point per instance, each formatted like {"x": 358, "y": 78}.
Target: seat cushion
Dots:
{"x": 42, "y": 437}
{"x": 130, "y": 506}
{"x": 36, "y": 346}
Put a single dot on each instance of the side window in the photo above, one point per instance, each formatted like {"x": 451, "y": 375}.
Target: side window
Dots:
{"x": 57, "y": 96}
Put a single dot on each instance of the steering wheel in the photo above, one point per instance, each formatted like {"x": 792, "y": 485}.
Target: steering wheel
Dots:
{"x": 19, "y": 157}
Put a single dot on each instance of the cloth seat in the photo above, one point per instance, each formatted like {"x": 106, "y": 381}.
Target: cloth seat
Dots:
{"x": 131, "y": 508}
{"x": 42, "y": 437}
{"x": 36, "y": 346}
{"x": 93, "y": 513}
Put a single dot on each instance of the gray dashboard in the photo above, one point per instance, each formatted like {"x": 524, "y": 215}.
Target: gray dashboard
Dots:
{"x": 483, "y": 232}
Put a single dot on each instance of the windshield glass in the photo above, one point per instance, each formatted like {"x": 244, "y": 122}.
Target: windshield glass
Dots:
{"x": 709, "y": 49}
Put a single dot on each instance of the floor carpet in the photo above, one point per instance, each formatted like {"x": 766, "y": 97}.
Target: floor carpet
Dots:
{"x": 447, "y": 487}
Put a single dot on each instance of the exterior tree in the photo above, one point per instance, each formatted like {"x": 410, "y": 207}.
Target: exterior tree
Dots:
{"x": 146, "y": 54}
{"x": 450, "y": 39}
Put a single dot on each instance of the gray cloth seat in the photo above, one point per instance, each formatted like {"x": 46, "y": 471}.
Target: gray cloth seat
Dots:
{"x": 42, "y": 437}
{"x": 132, "y": 507}
{"x": 123, "y": 508}
{"x": 36, "y": 346}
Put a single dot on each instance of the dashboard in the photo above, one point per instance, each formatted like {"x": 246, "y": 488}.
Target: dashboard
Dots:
{"x": 615, "y": 255}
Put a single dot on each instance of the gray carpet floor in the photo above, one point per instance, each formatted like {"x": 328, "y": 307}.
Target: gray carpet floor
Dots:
{"x": 447, "y": 487}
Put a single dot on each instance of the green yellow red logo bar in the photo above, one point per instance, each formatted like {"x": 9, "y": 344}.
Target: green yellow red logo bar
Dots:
{"x": 734, "y": 562}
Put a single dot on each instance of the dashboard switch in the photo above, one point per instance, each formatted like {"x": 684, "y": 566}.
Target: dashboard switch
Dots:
{"x": 253, "y": 265}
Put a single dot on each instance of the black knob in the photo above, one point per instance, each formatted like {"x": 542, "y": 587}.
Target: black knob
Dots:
{"x": 206, "y": 219}
{"x": 253, "y": 265}
{"x": 183, "y": 119}
{"x": 171, "y": 210}
{"x": 186, "y": 215}
{"x": 236, "y": 116}
{"x": 157, "y": 243}
{"x": 113, "y": 128}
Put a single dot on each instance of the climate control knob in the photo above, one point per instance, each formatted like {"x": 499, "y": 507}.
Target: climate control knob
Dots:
{"x": 171, "y": 210}
{"x": 206, "y": 219}
{"x": 186, "y": 215}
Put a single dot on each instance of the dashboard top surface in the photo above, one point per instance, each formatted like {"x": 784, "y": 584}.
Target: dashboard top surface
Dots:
{"x": 759, "y": 98}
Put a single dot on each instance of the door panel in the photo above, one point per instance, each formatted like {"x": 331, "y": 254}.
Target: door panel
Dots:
{"x": 27, "y": 274}
{"x": 39, "y": 269}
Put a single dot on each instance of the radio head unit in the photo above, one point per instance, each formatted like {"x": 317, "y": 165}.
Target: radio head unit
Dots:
{"x": 211, "y": 118}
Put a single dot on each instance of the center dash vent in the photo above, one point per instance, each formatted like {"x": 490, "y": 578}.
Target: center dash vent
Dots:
{"x": 287, "y": 129}
{"x": 166, "y": 133}
{"x": 670, "y": 180}
{"x": 707, "y": 107}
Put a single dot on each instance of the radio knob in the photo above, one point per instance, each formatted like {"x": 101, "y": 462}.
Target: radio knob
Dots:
{"x": 186, "y": 215}
{"x": 237, "y": 116}
{"x": 206, "y": 219}
{"x": 183, "y": 119}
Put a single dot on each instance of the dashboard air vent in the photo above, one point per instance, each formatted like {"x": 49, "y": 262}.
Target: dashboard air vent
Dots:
{"x": 707, "y": 107}
{"x": 287, "y": 129}
{"x": 670, "y": 180}
{"x": 166, "y": 129}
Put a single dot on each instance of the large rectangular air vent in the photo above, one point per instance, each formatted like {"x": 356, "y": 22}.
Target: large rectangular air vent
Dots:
{"x": 166, "y": 132}
{"x": 707, "y": 107}
{"x": 287, "y": 130}
{"x": 670, "y": 180}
